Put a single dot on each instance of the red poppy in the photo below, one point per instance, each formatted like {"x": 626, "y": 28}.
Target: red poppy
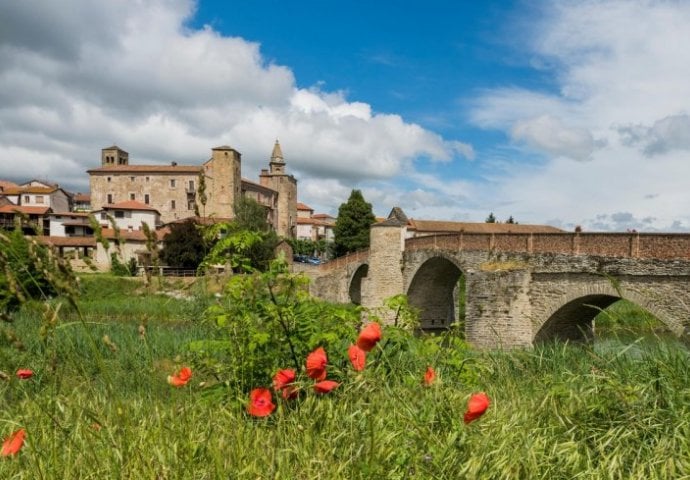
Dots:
{"x": 476, "y": 406}
{"x": 282, "y": 382}
{"x": 316, "y": 364}
{"x": 429, "y": 376}
{"x": 260, "y": 403}
{"x": 13, "y": 443}
{"x": 25, "y": 373}
{"x": 369, "y": 336}
{"x": 358, "y": 357}
{"x": 325, "y": 386}
{"x": 181, "y": 378}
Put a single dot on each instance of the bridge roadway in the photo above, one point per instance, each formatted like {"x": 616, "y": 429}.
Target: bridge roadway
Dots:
{"x": 520, "y": 288}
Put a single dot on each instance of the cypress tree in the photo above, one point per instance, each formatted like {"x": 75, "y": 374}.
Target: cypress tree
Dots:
{"x": 355, "y": 218}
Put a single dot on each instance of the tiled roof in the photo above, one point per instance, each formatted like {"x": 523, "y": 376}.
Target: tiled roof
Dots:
{"x": 68, "y": 241}
{"x": 248, "y": 184}
{"x": 23, "y": 209}
{"x": 302, "y": 206}
{"x": 201, "y": 220}
{"x": 21, "y": 190}
{"x": 82, "y": 197}
{"x": 7, "y": 184}
{"x": 129, "y": 205}
{"x": 312, "y": 221}
{"x": 71, "y": 214}
{"x": 435, "y": 226}
{"x": 148, "y": 169}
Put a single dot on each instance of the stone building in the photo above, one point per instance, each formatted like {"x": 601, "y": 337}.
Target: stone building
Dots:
{"x": 173, "y": 190}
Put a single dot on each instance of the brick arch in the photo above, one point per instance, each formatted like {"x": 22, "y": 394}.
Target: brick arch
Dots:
{"x": 431, "y": 289}
{"x": 355, "y": 283}
{"x": 570, "y": 317}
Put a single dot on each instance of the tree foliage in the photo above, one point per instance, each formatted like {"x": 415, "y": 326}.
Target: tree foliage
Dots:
{"x": 29, "y": 270}
{"x": 491, "y": 218}
{"x": 251, "y": 215}
{"x": 184, "y": 246}
{"x": 352, "y": 226}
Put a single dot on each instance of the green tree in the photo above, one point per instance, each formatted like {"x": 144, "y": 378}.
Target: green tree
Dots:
{"x": 184, "y": 246}
{"x": 355, "y": 218}
{"x": 511, "y": 220}
{"x": 251, "y": 215}
{"x": 491, "y": 218}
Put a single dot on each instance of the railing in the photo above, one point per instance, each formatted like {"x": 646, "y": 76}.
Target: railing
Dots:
{"x": 174, "y": 272}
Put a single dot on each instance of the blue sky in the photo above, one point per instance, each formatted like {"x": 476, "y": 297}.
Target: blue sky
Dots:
{"x": 567, "y": 113}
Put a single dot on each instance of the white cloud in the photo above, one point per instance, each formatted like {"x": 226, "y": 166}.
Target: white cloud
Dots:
{"x": 548, "y": 133}
{"x": 79, "y": 75}
{"x": 621, "y": 94}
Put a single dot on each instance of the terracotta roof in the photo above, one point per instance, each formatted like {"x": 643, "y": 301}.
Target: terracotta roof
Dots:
{"x": 77, "y": 223}
{"x": 82, "y": 197}
{"x": 435, "y": 226}
{"x": 23, "y": 209}
{"x": 129, "y": 205}
{"x": 201, "y": 220}
{"x": 323, "y": 216}
{"x": 258, "y": 186}
{"x": 312, "y": 221}
{"x": 21, "y": 190}
{"x": 302, "y": 206}
{"x": 137, "y": 235}
{"x": 7, "y": 184}
{"x": 68, "y": 241}
{"x": 71, "y": 214}
{"x": 148, "y": 169}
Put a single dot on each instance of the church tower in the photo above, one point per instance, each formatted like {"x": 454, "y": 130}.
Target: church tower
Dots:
{"x": 113, "y": 156}
{"x": 286, "y": 186}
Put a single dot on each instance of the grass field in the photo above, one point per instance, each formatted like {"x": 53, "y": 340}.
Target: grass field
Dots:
{"x": 101, "y": 408}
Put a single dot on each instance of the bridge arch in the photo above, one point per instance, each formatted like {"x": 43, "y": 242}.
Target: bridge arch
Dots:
{"x": 571, "y": 316}
{"x": 355, "y": 283}
{"x": 433, "y": 290}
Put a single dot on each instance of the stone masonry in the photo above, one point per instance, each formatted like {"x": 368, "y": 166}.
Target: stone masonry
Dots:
{"x": 520, "y": 288}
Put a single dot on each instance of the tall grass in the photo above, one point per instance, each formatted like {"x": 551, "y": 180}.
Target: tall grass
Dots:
{"x": 558, "y": 411}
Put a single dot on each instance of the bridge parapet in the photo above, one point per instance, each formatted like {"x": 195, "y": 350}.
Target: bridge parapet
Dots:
{"x": 662, "y": 246}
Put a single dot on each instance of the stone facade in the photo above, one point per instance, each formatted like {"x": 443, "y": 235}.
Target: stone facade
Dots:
{"x": 173, "y": 189}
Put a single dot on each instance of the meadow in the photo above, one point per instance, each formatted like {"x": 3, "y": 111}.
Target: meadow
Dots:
{"x": 99, "y": 404}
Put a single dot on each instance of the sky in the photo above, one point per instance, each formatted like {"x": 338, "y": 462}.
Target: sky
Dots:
{"x": 563, "y": 113}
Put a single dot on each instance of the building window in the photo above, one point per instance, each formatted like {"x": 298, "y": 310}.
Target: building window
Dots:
{"x": 119, "y": 214}
{"x": 110, "y": 199}
{"x": 146, "y": 198}
{"x": 104, "y": 216}
{"x": 131, "y": 179}
{"x": 108, "y": 179}
{"x": 27, "y": 199}
{"x": 147, "y": 179}
{"x": 132, "y": 196}
{"x": 172, "y": 204}
{"x": 39, "y": 198}
{"x": 191, "y": 185}
{"x": 190, "y": 205}
{"x": 69, "y": 230}
{"x": 172, "y": 183}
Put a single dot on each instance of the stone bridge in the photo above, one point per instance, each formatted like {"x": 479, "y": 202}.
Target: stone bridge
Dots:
{"x": 520, "y": 288}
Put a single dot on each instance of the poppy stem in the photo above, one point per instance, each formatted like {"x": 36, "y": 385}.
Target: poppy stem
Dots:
{"x": 284, "y": 325}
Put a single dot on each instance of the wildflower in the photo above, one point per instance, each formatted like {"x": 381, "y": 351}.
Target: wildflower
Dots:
{"x": 282, "y": 382}
{"x": 96, "y": 426}
{"x": 369, "y": 336}
{"x": 260, "y": 403}
{"x": 13, "y": 443}
{"x": 24, "y": 373}
{"x": 476, "y": 406}
{"x": 358, "y": 357}
{"x": 429, "y": 376}
{"x": 316, "y": 364}
{"x": 181, "y": 378}
{"x": 325, "y": 386}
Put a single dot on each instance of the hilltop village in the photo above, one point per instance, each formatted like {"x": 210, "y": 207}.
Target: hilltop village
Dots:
{"x": 124, "y": 195}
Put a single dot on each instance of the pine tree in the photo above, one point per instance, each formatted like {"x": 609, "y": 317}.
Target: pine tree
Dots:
{"x": 491, "y": 218}
{"x": 355, "y": 218}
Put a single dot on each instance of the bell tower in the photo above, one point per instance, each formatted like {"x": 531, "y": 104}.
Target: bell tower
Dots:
{"x": 276, "y": 179}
